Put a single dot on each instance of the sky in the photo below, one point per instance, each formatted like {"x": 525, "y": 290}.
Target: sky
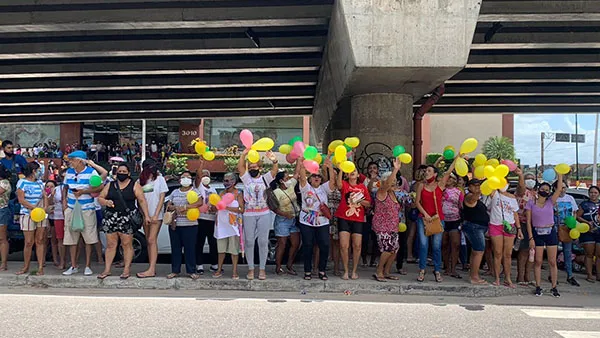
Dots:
{"x": 528, "y": 128}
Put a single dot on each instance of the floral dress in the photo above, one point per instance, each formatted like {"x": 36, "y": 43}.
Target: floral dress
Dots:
{"x": 333, "y": 202}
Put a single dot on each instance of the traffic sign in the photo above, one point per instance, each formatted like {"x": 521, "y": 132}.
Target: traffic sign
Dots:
{"x": 577, "y": 138}
{"x": 560, "y": 137}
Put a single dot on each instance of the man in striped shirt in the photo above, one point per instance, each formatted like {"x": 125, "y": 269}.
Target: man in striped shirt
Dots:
{"x": 77, "y": 189}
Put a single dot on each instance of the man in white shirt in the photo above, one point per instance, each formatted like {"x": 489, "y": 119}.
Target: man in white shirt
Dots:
{"x": 206, "y": 222}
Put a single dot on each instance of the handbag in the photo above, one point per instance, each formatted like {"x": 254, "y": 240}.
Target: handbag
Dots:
{"x": 135, "y": 217}
{"x": 77, "y": 222}
{"x": 435, "y": 226}
{"x": 323, "y": 208}
{"x": 563, "y": 234}
{"x": 168, "y": 217}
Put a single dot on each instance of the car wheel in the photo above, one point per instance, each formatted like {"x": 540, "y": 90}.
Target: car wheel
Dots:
{"x": 272, "y": 248}
{"x": 140, "y": 248}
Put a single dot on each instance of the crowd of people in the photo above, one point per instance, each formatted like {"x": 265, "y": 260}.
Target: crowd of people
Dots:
{"x": 435, "y": 219}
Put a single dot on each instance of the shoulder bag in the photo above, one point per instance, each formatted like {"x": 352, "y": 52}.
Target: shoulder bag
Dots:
{"x": 135, "y": 217}
{"x": 323, "y": 208}
{"x": 435, "y": 226}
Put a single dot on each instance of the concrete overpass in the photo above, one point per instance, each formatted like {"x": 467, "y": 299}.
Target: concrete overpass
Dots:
{"x": 359, "y": 66}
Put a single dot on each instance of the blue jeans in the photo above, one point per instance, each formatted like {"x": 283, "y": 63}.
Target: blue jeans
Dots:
{"x": 424, "y": 247}
{"x": 567, "y": 251}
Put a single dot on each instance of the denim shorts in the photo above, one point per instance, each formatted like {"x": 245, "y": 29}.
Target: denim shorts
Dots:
{"x": 590, "y": 237}
{"x": 475, "y": 233}
{"x": 284, "y": 226}
{"x": 5, "y": 216}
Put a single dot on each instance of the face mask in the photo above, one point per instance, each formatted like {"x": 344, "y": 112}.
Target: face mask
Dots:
{"x": 544, "y": 193}
{"x": 122, "y": 177}
{"x": 185, "y": 181}
{"x": 254, "y": 172}
{"x": 228, "y": 185}
{"x": 530, "y": 184}
{"x": 48, "y": 191}
{"x": 205, "y": 180}
{"x": 430, "y": 180}
{"x": 504, "y": 189}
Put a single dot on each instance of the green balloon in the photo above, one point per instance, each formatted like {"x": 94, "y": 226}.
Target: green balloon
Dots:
{"x": 348, "y": 148}
{"x": 448, "y": 154}
{"x": 310, "y": 152}
{"x": 571, "y": 222}
{"x": 95, "y": 181}
{"x": 294, "y": 140}
{"x": 398, "y": 150}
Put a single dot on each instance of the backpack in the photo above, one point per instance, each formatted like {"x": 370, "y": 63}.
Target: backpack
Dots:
{"x": 272, "y": 201}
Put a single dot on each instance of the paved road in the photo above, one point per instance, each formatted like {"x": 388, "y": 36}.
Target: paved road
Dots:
{"x": 141, "y": 313}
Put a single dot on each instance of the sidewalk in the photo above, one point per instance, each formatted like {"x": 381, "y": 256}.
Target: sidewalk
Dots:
{"x": 407, "y": 285}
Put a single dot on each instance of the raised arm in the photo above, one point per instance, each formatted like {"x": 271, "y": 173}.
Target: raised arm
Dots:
{"x": 338, "y": 182}
{"x": 332, "y": 177}
{"x": 198, "y": 179}
{"x": 301, "y": 174}
{"x": 442, "y": 182}
{"x": 242, "y": 163}
{"x": 271, "y": 156}
{"x": 559, "y": 186}
{"x": 100, "y": 169}
{"x": 521, "y": 188}
{"x": 297, "y": 169}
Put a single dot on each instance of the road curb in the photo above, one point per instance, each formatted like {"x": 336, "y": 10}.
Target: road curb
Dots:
{"x": 361, "y": 286}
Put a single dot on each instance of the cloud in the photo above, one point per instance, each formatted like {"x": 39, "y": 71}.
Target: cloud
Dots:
{"x": 528, "y": 129}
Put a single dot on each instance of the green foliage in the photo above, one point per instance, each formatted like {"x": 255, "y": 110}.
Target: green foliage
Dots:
{"x": 231, "y": 163}
{"x": 430, "y": 158}
{"x": 176, "y": 165}
{"x": 499, "y": 148}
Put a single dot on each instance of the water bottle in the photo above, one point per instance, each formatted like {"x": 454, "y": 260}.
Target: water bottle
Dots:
{"x": 531, "y": 255}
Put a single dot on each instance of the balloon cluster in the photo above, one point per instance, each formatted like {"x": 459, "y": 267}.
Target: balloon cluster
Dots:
{"x": 263, "y": 144}
{"x": 462, "y": 167}
{"x": 400, "y": 153}
{"x": 576, "y": 229}
{"x": 342, "y": 153}
{"x": 203, "y": 150}
{"x": 549, "y": 175}
{"x": 213, "y": 199}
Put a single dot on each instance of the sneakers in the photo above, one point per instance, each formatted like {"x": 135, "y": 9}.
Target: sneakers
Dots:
{"x": 87, "y": 271}
{"x": 70, "y": 271}
{"x": 572, "y": 281}
{"x": 200, "y": 269}
{"x": 538, "y": 291}
{"x": 550, "y": 280}
{"x": 555, "y": 293}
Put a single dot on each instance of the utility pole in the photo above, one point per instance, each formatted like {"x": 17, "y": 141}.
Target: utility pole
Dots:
{"x": 542, "y": 149}
{"x": 595, "y": 168}
{"x": 576, "y": 148}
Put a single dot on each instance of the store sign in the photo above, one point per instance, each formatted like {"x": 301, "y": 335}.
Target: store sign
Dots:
{"x": 193, "y": 133}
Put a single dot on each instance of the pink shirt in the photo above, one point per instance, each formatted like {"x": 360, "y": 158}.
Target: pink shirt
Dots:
{"x": 541, "y": 217}
{"x": 452, "y": 200}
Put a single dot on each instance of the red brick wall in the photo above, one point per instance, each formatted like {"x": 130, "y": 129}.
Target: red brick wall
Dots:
{"x": 70, "y": 133}
{"x": 508, "y": 126}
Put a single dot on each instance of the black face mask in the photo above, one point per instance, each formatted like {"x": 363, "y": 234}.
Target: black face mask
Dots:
{"x": 254, "y": 172}
{"x": 122, "y": 177}
{"x": 544, "y": 193}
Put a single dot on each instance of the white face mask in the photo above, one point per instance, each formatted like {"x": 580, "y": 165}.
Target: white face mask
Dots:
{"x": 205, "y": 180}
{"x": 185, "y": 181}
{"x": 530, "y": 184}
{"x": 504, "y": 189}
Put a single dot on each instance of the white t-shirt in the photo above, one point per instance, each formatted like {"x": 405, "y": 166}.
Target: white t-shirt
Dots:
{"x": 565, "y": 206}
{"x": 152, "y": 190}
{"x": 509, "y": 207}
{"x": 309, "y": 215}
{"x": 58, "y": 211}
{"x": 254, "y": 194}
{"x": 204, "y": 193}
{"x": 227, "y": 223}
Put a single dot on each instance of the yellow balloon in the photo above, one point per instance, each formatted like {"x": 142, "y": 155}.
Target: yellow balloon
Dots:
{"x": 214, "y": 199}
{"x": 488, "y": 171}
{"x": 209, "y": 156}
{"x": 334, "y": 161}
{"x": 193, "y": 214}
{"x": 285, "y": 149}
{"x": 462, "y": 168}
{"x": 318, "y": 159}
{"x": 501, "y": 171}
{"x": 192, "y": 197}
{"x": 264, "y": 144}
{"x": 352, "y": 142}
{"x": 38, "y": 215}
{"x": 503, "y": 182}
{"x": 583, "y": 227}
{"x": 334, "y": 144}
{"x": 347, "y": 167}
{"x": 574, "y": 233}
{"x": 494, "y": 182}
{"x": 200, "y": 147}
{"x": 480, "y": 160}
{"x": 562, "y": 168}
{"x": 493, "y": 162}
{"x": 485, "y": 188}
{"x": 451, "y": 148}
{"x": 253, "y": 156}
{"x": 479, "y": 172}
{"x": 405, "y": 158}
{"x": 402, "y": 227}
{"x": 469, "y": 145}
{"x": 341, "y": 153}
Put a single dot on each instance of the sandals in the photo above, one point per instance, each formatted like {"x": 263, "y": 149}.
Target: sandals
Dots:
{"x": 235, "y": 277}
{"x": 250, "y": 275}
{"x": 291, "y": 271}
{"x": 217, "y": 274}
{"x": 456, "y": 275}
{"x": 421, "y": 277}
{"x": 590, "y": 280}
{"x": 438, "y": 277}
{"x": 323, "y": 276}
{"x": 379, "y": 279}
{"x": 172, "y": 275}
{"x": 194, "y": 276}
{"x": 262, "y": 275}
{"x": 103, "y": 276}
{"x": 390, "y": 277}
{"x": 280, "y": 272}
{"x": 509, "y": 285}
{"x": 307, "y": 276}
{"x": 142, "y": 275}
{"x": 124, "y": 276}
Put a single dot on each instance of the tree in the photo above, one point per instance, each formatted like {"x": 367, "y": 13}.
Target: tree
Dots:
{"x": 499, "y": 148}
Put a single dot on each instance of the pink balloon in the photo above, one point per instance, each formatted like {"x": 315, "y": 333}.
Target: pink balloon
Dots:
{"x": 227, "y": 198}
{"x": 204, "y": 208}
{"x": 510, "y": 164}
{"x": 311, "y": 166}
{"x": 298, "y": 150}
{"x": 290, "y": 158}
{"x": 221, "y": 205}
{"x": 246, "y": 138}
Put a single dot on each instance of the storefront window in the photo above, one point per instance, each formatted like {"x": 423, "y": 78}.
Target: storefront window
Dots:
{"x": 26, "y": 135}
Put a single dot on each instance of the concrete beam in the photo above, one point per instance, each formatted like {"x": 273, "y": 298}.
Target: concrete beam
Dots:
{"x": 546, "y": 33}
{"x": 525, "y": 109}
{"x": 534, "y": 56}
{"x": 518, "y": 100}
{"x": 518, "y": 88}
{"x": 539, "y": 7}
{"x": 489, "y": 74}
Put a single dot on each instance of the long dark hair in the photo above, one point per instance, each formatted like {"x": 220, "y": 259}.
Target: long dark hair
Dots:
{"x": 30, "y": 168}
{"x": 275, "y": 183}
{"x": 150, "y": 170}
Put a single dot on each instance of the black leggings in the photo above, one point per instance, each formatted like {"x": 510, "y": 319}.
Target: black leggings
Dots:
{"x": 310, "y": 236}
{"x": 206, "y": 230}
{"x": 403, "y": 251}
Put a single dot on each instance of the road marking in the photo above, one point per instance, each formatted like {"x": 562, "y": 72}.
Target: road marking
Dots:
{"x": 579, "y": 334}
{"x": 562, "y": 314}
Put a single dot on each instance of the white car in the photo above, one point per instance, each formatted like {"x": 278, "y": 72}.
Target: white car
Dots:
{"x": 164, "y": 244}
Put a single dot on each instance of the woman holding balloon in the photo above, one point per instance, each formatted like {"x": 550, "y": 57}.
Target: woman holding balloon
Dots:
{"x": 588, "y": 213}
{"x": 540, "y": 223}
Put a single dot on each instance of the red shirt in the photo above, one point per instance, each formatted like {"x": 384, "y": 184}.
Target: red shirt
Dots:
{"x": 427, "y": 202}
{"x": 348, "y": 210}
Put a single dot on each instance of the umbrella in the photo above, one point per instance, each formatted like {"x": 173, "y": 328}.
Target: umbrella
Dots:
{"x": 116, "y": 159}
